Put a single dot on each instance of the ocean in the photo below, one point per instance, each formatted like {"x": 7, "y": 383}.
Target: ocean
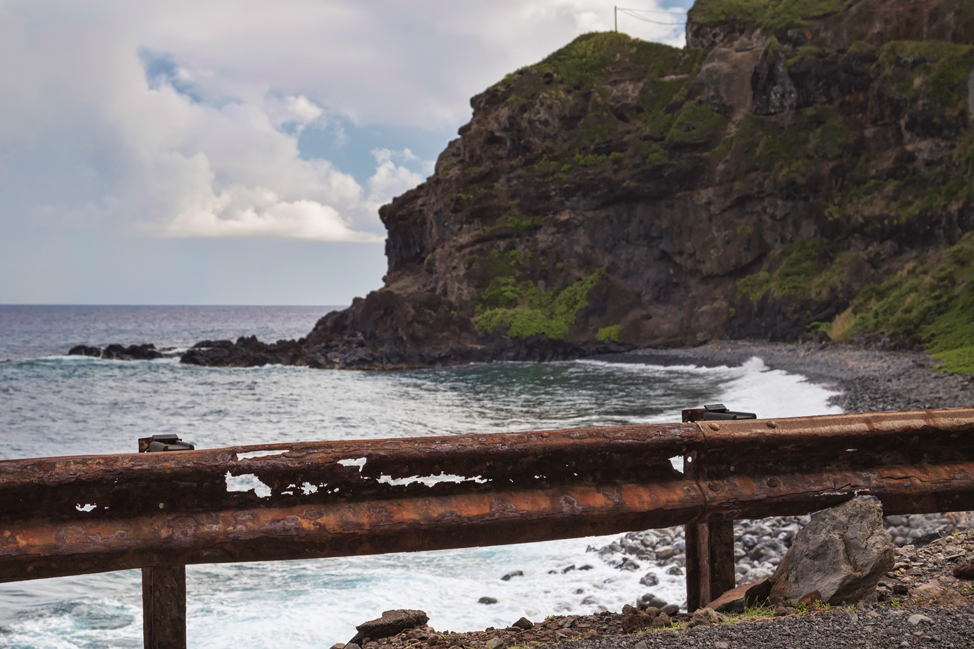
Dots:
{"x": 52, "y": 404}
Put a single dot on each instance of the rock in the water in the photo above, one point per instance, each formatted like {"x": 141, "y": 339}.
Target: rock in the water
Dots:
{"x": 390, "y": 624}
{"x": 652, "y": 600}
{"x": 486, "y": 600}
{"x": 247, "y": 352}
{"x": 510, "y": 575}
{"x": 84, "y": 350}
{"x": 649, "y": 579}
{"x": 144, "y": 352}
{"x": 841, "y": 554}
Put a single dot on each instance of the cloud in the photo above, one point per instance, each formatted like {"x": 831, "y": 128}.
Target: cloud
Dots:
{"x": 392, "y": 179}
{"x": 238, "y": 213}
{"x": 181, "y": 119}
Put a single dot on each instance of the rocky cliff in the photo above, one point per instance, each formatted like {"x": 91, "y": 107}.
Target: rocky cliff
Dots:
{"x": 798, "y": 169}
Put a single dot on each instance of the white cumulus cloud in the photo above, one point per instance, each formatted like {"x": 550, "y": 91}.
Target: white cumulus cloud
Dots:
{"x": 183, "y": 118}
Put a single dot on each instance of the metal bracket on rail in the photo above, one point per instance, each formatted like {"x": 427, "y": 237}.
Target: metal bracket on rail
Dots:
{"x": 715, "y": 412}
{"x": 165, "y": 442}
{"x": 164, "y": 587}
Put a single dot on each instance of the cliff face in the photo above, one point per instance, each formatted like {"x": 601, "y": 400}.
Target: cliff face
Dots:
{"x": 795, "y": 170}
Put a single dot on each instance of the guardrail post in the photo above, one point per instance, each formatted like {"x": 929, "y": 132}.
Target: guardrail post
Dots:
{"x": 709, "y": 545}
{"x": 164, "y": 607}
{"x": 710, "y": 561}
{"x": 163, "y": 587}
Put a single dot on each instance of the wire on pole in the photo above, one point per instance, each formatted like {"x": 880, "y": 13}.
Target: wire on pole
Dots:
{"x": 634, "y": 13}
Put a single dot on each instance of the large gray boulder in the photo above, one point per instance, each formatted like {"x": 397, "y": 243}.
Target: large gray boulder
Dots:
{"x": 838, "y": 557}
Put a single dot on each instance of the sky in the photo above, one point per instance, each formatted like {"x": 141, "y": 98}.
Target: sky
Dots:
{"x": 237, "y": 152}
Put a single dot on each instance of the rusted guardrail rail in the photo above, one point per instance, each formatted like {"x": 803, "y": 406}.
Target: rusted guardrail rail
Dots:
{"x": 161, "y": 511}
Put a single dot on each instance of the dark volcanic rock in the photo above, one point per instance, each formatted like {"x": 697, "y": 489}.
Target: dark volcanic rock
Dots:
{"x": 245, "y": 352}
{"x": 84, "y": 350}
{"x": 143, "y": 352}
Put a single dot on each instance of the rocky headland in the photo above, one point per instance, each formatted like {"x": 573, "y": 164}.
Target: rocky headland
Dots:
{"x": 797, "y": 171}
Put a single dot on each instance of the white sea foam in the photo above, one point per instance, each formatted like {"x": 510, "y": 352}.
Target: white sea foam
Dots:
{"x": 750, "y": 387}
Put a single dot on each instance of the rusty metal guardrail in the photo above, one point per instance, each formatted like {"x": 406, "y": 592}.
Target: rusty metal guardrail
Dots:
{"x": 86, "y": 514}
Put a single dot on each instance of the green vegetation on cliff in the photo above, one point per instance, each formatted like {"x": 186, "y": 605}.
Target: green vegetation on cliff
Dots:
{"x": 793, "y": 276}
{"x": 771, "y": 15}
{"x": 606, "y": 138}
{"x": 934, "y": 302}
{"x": 935, "y": 70}
{"x": 609, "y": 334}
{"x": 524, "y": 310}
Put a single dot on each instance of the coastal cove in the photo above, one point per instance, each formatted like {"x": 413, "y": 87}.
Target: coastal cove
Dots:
{"x": 777, "y": 217}
{"x": 58, "y": 405}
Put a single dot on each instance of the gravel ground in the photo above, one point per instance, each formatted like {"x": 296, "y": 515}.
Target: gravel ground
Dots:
{"x": 870, "y": 626}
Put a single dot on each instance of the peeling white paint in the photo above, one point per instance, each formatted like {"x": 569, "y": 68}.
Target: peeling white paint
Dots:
{"x": 677, "y": 462}
{"x": 247, "y": 482}
{"x": 359, "y": 462}
{"x": 429, "y": 480}
{"x": 85, "y": 508}
{"x": 309, "y": 488}
{"x": 252, "y": 454}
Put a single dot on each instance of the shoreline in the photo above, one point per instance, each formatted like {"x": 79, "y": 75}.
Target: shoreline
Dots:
{"x": 870, "y": 380}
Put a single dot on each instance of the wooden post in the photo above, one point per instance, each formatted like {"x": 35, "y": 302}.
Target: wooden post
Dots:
{"x": 163, "y": 587}
{"x": 710, "y": 561}
{"x": 164, "y": 607}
